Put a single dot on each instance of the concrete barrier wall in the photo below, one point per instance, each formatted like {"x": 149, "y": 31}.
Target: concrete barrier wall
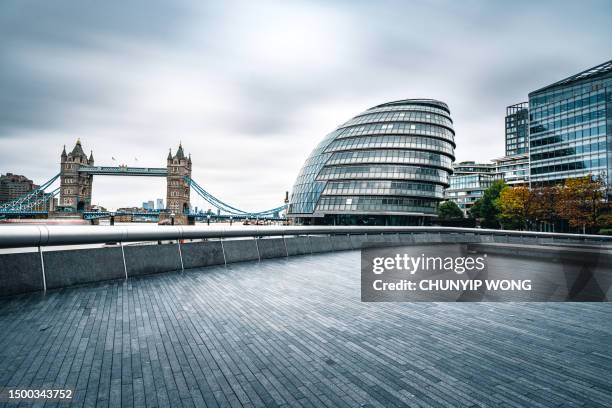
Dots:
{"x": 272, "y": 248}
{"x": 341, "y": 242}
{"x": 149, "y": 259}
{"x": 75, "y": 267}
{"x": 373, "y": 240}
{"x": 405, "y": 239}
{"x": 199, "y": 254}
{"x": 239, "y": 250}
{"x": 21, "y": 272}
{"x": 320, "y": 244}
{"x": 297, "y": 245}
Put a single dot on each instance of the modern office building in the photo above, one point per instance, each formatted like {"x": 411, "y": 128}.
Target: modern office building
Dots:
{"x": 386, "y": 166}
{"x": 159, "y": 204}
{"x": 13, "y": 186}
{"x": 514, "y": 170}
{"x": 571, "y": 127}
{"x": 517, "y": 129}
{"x": 468, "y": 183}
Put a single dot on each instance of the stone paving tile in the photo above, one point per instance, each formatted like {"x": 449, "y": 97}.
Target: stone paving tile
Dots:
{"x": 293, "y": 332}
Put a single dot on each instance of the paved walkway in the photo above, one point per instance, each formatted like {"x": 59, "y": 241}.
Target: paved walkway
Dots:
{"x": 292, "y": 332}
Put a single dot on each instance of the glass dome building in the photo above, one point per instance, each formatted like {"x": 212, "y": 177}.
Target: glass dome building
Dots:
{"x": 386, "y": 166}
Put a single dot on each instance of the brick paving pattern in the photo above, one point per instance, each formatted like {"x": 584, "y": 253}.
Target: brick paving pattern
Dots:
{"x": 292, "y": 332}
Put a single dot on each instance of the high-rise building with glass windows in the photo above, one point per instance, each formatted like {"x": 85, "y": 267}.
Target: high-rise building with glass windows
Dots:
{"x": 514, "y": 170}
{"x": 571, "y": 127}
{"x": 386, "y": 166}
{"x": 517, "y": 129}
{"x": 469, "y": 182}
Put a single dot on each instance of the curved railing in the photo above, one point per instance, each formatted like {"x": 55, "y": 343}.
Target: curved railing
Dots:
{"x": 49, "y": 235}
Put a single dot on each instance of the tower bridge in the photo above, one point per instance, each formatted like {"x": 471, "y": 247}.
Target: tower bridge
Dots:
{"x": 76, "y": 183}
{"x": 77, "y": 171}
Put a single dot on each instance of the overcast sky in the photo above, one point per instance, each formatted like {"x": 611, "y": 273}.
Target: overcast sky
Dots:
{"x": 251, "y": 87}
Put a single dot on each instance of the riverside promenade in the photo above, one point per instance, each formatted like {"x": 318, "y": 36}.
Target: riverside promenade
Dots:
{"x": 292, "y": 332}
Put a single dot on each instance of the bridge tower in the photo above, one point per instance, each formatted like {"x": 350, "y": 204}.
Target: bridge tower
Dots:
{"x": 178, "y": 189}
{"x": 75, "y": 187}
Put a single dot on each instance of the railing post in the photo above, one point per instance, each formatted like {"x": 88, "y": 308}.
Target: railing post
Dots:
{"x": 257, "y": 246}
{"x": 123, "y": 257}
{"x": 180, "y": 254}
{"x": 285, "y": 243}
{"x": 223, "y": 251}
{"x": 42, "y": 268}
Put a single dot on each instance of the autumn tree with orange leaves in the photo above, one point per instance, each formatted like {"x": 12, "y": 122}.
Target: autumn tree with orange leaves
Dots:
{"x": 544, "y": 204}
{"x": 515, "y": 207}
{"x": 580, "y": 201}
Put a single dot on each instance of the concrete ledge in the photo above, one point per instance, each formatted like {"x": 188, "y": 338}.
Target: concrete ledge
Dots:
{"x": 20, "y": 273}
{"x": 429, "y": 237}
{"x": 298, "y": 246}
{"x": 406, "y": 239}
{"x": 320, "y": 244}
{"x": 557, "y": 253}
{"x": 378, "y": 240}
{"x": 199, "y": 254}
{"x": 341, "y": 242}
{"x": 150, "y": 259}
{"x": 503, "y": 239}
{"x": 239, "y": 250}
{"x": 358, "y": 241}
{"x": 484, "y": 238}
{"x": 271, "y": 248}
{"x": 75, "y": 267}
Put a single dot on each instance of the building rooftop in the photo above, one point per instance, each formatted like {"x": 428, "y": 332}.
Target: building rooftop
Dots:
{"x": 517, "y": 107}
{"x": 514, "y": 157}
{"x": 293, "y": 332}
{"x": 595, "y": 72}
{"x": 424, "y": 101}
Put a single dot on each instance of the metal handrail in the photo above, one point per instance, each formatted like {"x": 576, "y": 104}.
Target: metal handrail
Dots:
{"x": 16, "y": 236}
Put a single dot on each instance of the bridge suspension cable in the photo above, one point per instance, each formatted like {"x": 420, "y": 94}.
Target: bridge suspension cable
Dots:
{"x": 31, "y": 199}
{"x": 228, "y": 208}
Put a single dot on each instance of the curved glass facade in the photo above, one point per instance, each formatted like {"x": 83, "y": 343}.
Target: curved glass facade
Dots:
{"x": 386, "y": 166}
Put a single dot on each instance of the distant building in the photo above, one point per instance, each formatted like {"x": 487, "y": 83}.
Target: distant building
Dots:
{"x": 75, "y": 186}
{"x": 148, "y": 205}
{"x": 129, "y": 209}
{"x": 178, "y": 186}
{"x": 468, "y": 183}
{"x": 514, "y": 170}
{"x": 571, "y": 127}
{"x": 13, "y": 186}
{"x": 517, "y": 129}
{"x": 159, "y": 205}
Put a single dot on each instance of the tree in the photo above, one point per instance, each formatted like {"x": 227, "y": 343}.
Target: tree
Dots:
{"x": 544, "y": 202}
{"x": 449, "y": 210}
{"x": 514, "y": 204}
{"x": 486, "y": 208}
{"x": 581, "y": 200}
{"x": 604, "y": 223}
{"x": 474, "y": 210}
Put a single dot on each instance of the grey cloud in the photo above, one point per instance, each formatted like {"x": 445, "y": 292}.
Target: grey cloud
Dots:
{"x": 249, "y": 89}
{"x": 79, "y": 23}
